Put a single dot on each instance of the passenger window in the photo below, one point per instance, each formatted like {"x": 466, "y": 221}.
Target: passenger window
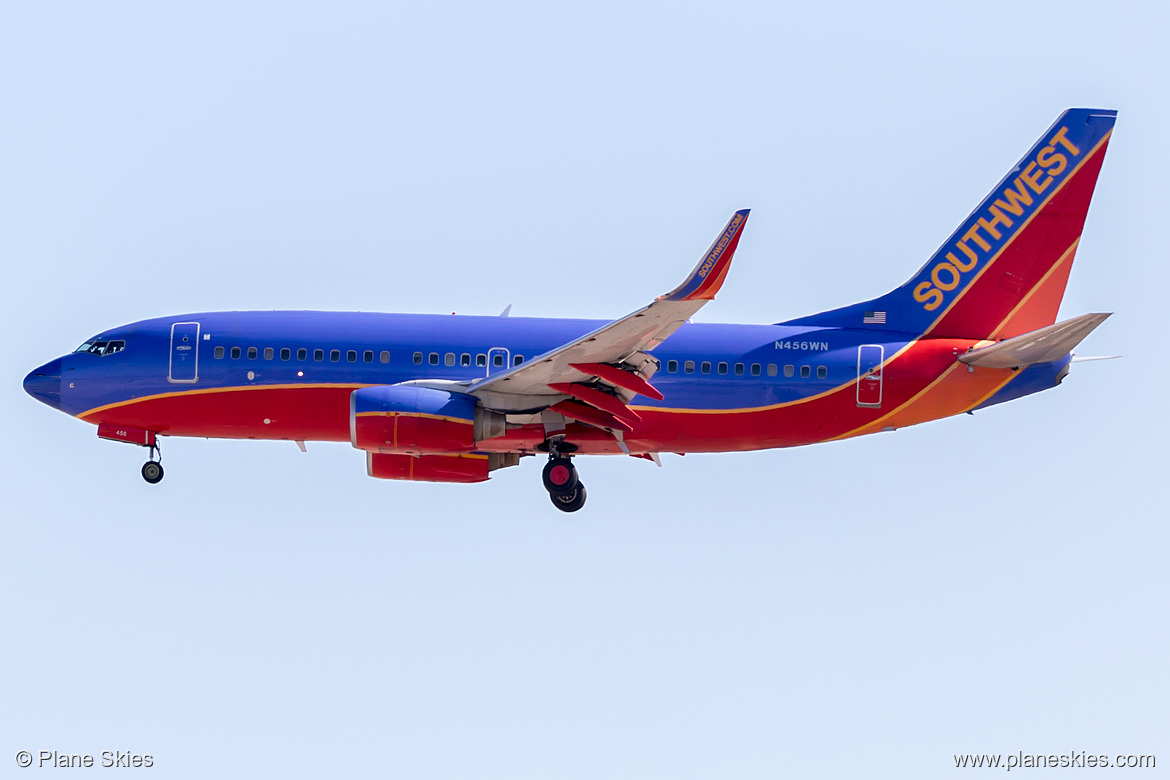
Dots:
{"x": 517, "y": 360}
{"x": 771, "y": 369}
{"x": 789, "y": 371}
{"x": 219, "y": 353}
{"x": 351, "y": 356}
{"x": 433, "y": 358}
{"x": 497, "y": 360}
{"x": 755, "y": 369}
{"x": 252, "y": 353}
{"x": 335, "y": 355}
{"x": 449, "y": 358}
{"x": 705, "y": 367}
{"x": 235, "y": 353}
{"x": 739, "y": 369}
{"x": 822, "y": 372}
{"x": 302, "y": 354}
{"x": 805, "y": 372}
{"x": 285, "y": 353}
{"x": 689, "y": 367}
{"x": 722, "y": 368}
{"x": 368, "y": 356}
{"x": 384, "y": 357}
{"x": 481, "y": 360}
{"x": 318, "y": 355}
{"x": 672, "y": 366}
{"x": 465, "y": 359}
{"x": 418, "y": 358}
{"x": 268, "y": 353}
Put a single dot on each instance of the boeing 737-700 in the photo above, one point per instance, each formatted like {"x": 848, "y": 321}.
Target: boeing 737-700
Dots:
{"x": 453, "y": 398}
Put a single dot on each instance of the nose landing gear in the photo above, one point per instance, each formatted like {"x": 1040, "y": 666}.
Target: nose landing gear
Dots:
{"x": 152, "y": 470}
{"x": 565, "y": 489}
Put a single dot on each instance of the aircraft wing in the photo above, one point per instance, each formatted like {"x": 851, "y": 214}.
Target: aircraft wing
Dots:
{"x": 614, "y": 355}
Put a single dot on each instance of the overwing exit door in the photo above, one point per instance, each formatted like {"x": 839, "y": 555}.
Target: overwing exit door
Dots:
{"x": 869, "y": 374}
{"x": 498, "y": 359}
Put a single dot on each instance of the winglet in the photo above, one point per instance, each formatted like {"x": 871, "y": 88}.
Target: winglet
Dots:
{"x": 708, "y": 275}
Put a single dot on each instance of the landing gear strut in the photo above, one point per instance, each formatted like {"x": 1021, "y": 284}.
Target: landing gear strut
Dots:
{"x": 152, "y": 470}
{"x": 565, "y": 489}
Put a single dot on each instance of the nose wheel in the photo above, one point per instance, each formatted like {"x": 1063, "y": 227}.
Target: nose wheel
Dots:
{"x": 565, "y": 489}
{"x": 152, "y": 470}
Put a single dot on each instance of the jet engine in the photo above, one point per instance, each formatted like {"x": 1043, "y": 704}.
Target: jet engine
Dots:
{"x": 412, "y": 421}
{"x": 430, "y": 468}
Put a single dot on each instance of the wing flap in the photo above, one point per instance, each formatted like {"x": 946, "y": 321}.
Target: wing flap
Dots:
{"x": 618, "y": 377}
{"x": 590, "y": 415}
{"x": 594, "y": 397}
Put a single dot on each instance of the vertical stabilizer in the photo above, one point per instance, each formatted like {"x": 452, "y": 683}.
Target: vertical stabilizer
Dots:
{"x": 1004, "y": 270}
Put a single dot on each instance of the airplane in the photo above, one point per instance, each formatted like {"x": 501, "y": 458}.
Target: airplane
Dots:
{"x": 444, "y": 398}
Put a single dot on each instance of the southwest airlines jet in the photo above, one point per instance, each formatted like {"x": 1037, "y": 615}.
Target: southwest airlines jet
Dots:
{"x": 453, "y": 398}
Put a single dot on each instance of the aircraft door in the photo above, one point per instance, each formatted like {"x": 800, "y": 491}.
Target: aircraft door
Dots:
{"x": 869, "y": 374}
{"x": 498, "y": 360}
{"x": 184, "y": 358}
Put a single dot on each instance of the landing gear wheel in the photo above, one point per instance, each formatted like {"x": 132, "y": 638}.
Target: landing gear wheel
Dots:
{"x": 559, "y": 476}
{"x": 572, "y": 501}
{"x": 152, "y": 472}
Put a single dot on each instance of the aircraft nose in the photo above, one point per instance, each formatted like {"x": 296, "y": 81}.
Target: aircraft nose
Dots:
{"x": 44, "y": 383}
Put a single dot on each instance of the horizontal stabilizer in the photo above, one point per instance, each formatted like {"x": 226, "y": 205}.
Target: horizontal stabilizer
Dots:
{"x": 1039, "y": 346}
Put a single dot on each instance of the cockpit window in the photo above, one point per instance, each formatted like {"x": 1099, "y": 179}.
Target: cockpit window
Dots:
{"x": 102, "y": 348}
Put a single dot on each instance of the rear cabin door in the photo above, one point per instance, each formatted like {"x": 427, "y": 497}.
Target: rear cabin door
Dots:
{"x": 184, "y": 363}
{"x": 869, "y": 374}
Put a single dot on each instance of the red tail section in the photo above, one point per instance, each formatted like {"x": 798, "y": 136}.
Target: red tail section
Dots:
{"x": 1020, "y": 290}
{"x": 1004, "y": 270}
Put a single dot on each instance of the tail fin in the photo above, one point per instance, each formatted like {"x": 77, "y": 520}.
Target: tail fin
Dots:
{"x": 1003, "y": 272}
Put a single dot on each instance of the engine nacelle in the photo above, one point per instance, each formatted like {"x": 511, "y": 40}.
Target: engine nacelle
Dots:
{"x": 419, "y": 421}
{"x": 428, "y": 468}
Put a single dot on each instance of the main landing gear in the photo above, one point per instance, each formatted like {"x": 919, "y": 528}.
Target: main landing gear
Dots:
{"x": 565, "y": 488}
{"x": 152, "y": 470}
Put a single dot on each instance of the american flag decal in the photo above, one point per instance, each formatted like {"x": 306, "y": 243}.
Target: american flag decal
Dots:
{"x": 874, "y": 318}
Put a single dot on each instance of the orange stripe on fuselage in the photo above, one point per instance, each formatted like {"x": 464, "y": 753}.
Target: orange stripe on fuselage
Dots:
{"x": 956, "y": 391}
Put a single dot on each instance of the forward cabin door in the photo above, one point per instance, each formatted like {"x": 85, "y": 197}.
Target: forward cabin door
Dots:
{"x": 869, "y": 374}
{"x": 184, "y": 362}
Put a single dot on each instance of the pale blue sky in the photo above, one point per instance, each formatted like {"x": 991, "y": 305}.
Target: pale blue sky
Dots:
{"x": 861, "y": 609}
